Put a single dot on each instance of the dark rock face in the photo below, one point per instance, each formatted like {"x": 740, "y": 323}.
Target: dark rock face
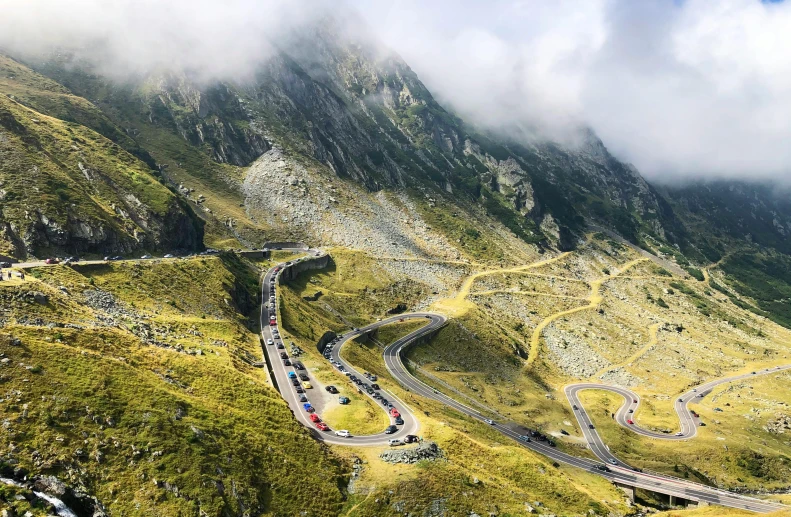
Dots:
{"x": 424, "y": 451}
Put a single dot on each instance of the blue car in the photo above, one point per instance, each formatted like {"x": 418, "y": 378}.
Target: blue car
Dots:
{"x": 292, "y": 375}
{"x": 308, "y": 408}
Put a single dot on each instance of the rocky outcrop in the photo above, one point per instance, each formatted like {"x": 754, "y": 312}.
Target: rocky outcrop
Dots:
{"x": 428, "y": 451}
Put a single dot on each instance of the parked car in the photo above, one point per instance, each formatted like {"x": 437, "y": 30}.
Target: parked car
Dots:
{"x": 168, "y": 255}
{"x": 286, "y": 362}
{"x": 315, "y": 418}
{"x": 307, "y": 407}
{"x": 292, "y": 375}
{"x": 343, "y": 400}
{"x": 375, "y": 386}
{"x": 51, "y": 260}
{"x": 343, "y": 433}
{"x": 5, "y": 264}
{"x": 303, "y": 398}
{"x": 630, "y": 422}
{"x": 613, "y": 462}
{"x": 146, "y": 257}
{"x": 270, "y": 342}
{"x": 321, "y": 426}
{"x": 525, "y": 438}
{"x": 304, "y": 377}
{"x": 295, "y": 382}
{"x": 391, "y": 429}
{"x": 299, "y": 389}
{"x": 283, "y": 355}
{"x": 307, "y": 385}
{"x": 399, "y": 421}
{"x": 331, "y": 389}
{"x": 280, "y": 346}
{"x": 490, "y": 422}
{"x": 395, "y": 442}
{"x": 299, "y": 366}
{"x": 590, "y": 426}
{"x": 394, "y": 413}
{"x": 272, "y": 323}
{"x": 411, "y": 438}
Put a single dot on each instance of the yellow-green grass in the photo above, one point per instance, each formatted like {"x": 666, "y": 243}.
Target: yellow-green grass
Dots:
{"x": 717, "y": 511}
{"x": 99, "y": 389}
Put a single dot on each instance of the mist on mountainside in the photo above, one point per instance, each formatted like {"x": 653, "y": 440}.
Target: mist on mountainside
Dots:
{"x": 684, "y": 90}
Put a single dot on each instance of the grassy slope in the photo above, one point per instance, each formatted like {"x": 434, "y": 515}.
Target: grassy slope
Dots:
{"x": 98, "y": 406}
{"x": 50, "y": 152}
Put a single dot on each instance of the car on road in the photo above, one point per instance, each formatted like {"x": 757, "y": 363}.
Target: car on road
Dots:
{"x": 393, "y": 442}
{"x": 631, "y": 411}
{"x": 299, "y": 389}
{"x": 283, "y": 355}
{"x": 299, "y": 366}
{"x": 280, "y": 346}
{"x": 490, "y": 422}
{"x": 679, "y": 433}
{"x": 321, "y": 426}
{"x": 681, "y": 400}
{"x": 331, "y": 389}
{"x": 51, "y": 260}
{"x": 292, "y": 375}
{"x": 270, "y": 342}
{"x": 307, "y": 407}
{"x": 146, "y": 257}
{"x": 411, "y": 438}
{"x": 304, "y": 377}
{"x": 590, "y": 426}
{"x": 603, "y": 468}
{"x": 272, "y": 323}
{"x": 613, "y": 462}
{"x": 525, "y": 438}
{"x": 343, "y": 433}
{"x": 753, "y": 373}
{"x": 168, "y": 255}
{"x": 286, "y": 362}
{"x": 394, "y": 413}
{"x": 384, "y": 401}
{"x": 370, "y": 391}
{"x": 272, "y": 317}
{"x": 375, "y": 386}
{"x": 5, "y": 264}
{"x": 315, "y": 418}
{"x": 303, "y": 398}
{"x": 634, "y": 400}
{"x": 702, "y": 424}
{"x": 391, "y": 429}
{"x": 399, "y": 421}
{"x": 575, "y": 407}
{"x": 295, "y": 382}
{"x": 630, "y": 422}
{"x": 307, "y": 385}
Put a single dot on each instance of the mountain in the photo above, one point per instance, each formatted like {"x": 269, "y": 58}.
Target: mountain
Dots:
{"x": 556, "y": 263}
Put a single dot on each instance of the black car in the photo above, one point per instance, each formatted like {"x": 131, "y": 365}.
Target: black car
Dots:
{"x": 286, "y": 362}
{"x": 5, "y": 264}
{"x": 399, "y": 421}
{"x": 331, "y": 389}
{"x": 375, "y": 386}
{"x": 384, "y": 402}
{"x": 280, "y": 346}
{"x": 295, "y": 382}
{"x": 590, "y": 426}
{"x": 299, "y": 366}
{"x": 299, "y": 389}
{"x": 410, "y": 438}
{"x": 283, "y": 355}
{"x": 391, "y": 429}
{"x": 370, "y": 391}
{"x": 304, "y": 377}
{"x": 603, "y": 468}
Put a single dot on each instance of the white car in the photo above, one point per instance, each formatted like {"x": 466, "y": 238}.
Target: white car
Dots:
{"x": 490, "y": 422}
{"x": 343, "y": 433}
{"x": 168, "y": 256}
{"x": 392, "y": 442}
{"x": 270, "y": 342}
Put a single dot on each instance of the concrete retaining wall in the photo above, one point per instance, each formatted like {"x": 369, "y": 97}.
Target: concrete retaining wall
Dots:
{"x": 285, "y": 245}
{"x": 291, "y": 272}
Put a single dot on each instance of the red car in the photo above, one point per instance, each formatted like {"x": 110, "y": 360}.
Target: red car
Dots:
{"x": 394, "y": 413}
{"x": 630, "y": 422}
{"x": 321, "y": 426}
{"x": 314, "y": 418}
{"x": 272, "y": 323}
{"x": 51, "y": 261}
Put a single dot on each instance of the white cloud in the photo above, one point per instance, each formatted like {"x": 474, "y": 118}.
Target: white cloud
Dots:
{"x": 680, "y": 88}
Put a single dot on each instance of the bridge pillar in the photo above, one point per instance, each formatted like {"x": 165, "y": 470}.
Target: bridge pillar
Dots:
{"x": 627, "y": 489}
